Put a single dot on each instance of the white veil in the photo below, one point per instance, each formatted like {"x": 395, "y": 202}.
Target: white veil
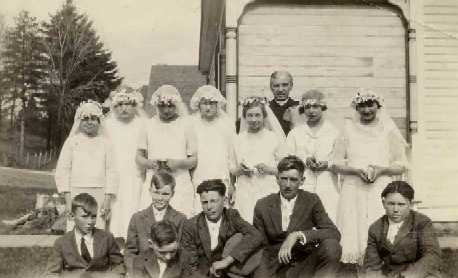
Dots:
{"x": 210, "y": 92}
{"x": 169, "y": 94}
{"x": 86, "y": 108}
{"x": 363, "y": 95}
{"x": 270, "y": 121}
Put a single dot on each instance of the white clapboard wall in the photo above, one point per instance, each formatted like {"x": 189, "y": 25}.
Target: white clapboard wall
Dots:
{"x": 437, "y": 152}
{"x": 333, "y": 48}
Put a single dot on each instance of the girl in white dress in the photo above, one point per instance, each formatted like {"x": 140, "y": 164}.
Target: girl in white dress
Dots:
{"x": 87, "y": 164}
{"x": 169, "y": 143}
{"x": 215, "y": 134}
{"x": 123, "y": 127}
{"x": 370, "y": 155}
{"x": 255, "y": 155}
{"x": 314, "y": 142}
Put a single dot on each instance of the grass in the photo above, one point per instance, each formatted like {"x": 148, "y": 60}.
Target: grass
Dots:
{"x": 31, "y": 262}
{"x": 25, "y": 179}
{"x": 17, "y": 201}
{"x": 23, "y": 262}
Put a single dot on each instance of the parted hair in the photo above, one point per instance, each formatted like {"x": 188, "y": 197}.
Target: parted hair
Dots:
{"x": 84, "y": 201}
{"x": 212, "y": 185}
{"x": 162, "y": 178}
{"x": 291, "y": 162}
{"x": 163, "y": 233}
{"x": 400, "y": 187}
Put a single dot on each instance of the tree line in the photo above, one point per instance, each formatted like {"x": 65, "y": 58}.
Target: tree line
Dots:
{"x": 47, "y": 68}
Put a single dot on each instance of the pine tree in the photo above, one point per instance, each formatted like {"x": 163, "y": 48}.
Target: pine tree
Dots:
{"x": 22, "y": 72}
{"x": 3, "y": 87}
{"x": 78, "y": 67}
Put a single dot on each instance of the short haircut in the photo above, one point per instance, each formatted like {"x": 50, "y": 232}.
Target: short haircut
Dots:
{"x": 162, "y": 178}
{"x": 250, "y": 105}
{"x": 400, "y": 187}
{"x": 276, "y": 73}
{"x": 84, "y": 201}
{"x": 291, "y": 162}
{"x": 212, "y": 185}
{"x": 163, "y": 233}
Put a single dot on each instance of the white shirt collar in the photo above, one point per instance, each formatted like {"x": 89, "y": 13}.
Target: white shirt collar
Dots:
{"x": 282, "y": 102}
{"x": 393, "y": 229}
{"x": 88, "y": 239}
{"x": 285, "y": 202}
{"x": 159, "y": 214}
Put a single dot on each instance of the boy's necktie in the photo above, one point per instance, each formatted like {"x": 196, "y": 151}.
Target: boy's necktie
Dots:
{"x": 84, "y": 251}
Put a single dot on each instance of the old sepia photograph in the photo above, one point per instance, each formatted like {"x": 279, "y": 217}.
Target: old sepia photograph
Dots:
{"x": 229, "y": 138}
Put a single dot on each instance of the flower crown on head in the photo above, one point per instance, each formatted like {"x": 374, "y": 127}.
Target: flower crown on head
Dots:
{"x": 124, "y": 97}
{"x": 206, "y": 93}
{"x": 165, "y": 99}
{"x": 313, "y": 101}
{"x": 364, "y": 95}
{"x": 89, "y": 108}
{"x": 254, "y": 99}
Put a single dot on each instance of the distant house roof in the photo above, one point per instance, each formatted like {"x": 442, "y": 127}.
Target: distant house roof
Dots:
{"x": 186, "y": 78}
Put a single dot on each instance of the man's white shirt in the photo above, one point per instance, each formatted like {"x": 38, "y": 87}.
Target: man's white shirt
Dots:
{"x": 393, "y": 229}
{"x": 213, "y": 229}
{"x": 162, "y": 267}
{"x": 287, "y": 208}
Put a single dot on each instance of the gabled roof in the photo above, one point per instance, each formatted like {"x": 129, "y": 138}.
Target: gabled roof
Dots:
{"x": 186, "y": 78}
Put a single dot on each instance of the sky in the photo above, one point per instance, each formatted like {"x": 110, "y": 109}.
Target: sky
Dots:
{"x": 140, "y": 33}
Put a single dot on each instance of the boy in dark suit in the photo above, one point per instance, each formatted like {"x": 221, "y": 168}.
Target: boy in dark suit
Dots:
{"x": 301, "y": 239}
{"x": 402, "y": 243}
{"x": 206, "y": 235}
{"x": 162, "y": 260}
{"x": 85, "y": 251}
{"x": 162, "y": 189}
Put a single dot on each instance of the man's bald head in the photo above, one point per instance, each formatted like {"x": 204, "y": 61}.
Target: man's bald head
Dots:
{"x": 281, "y": 83}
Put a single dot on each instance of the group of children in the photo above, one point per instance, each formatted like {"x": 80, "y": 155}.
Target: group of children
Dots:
{"x": 295, "y": 241}
{"x": 87, "y": 251}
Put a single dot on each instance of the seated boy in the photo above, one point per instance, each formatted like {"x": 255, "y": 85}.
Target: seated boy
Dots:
{"x": 162, "y": 189}
{"x": 162, "y": 259}
{"x": 207, "y": 237}
{"x": 85, "y": 251}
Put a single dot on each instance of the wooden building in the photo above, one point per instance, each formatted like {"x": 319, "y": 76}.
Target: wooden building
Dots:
{"x": 405, "y": 50}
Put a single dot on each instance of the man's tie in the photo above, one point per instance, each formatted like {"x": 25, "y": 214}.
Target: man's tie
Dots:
{"x": 84, "y": 251}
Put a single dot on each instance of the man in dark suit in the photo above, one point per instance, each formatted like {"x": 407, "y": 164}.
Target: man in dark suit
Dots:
{"x": 281, "y": 83}
{"x": 138, "y": 234}
{"x": 162, "y": 260}
{"x": 301, "y": 239}
{"x": 85, "y": 251}
{"x": 206, "y": 234}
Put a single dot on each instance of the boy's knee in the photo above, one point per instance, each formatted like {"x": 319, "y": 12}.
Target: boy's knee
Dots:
{"x": 330, "y": 249}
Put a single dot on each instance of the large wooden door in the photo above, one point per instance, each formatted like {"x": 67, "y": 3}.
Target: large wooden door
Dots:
{"x": 333, "y": 48}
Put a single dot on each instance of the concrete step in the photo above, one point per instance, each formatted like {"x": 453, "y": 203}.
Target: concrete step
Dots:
{"x": 27, "y": 240}
{"x": 48, "y": 241}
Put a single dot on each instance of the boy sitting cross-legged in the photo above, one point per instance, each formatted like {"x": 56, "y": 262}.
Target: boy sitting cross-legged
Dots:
{"x": 85, "y": 251}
